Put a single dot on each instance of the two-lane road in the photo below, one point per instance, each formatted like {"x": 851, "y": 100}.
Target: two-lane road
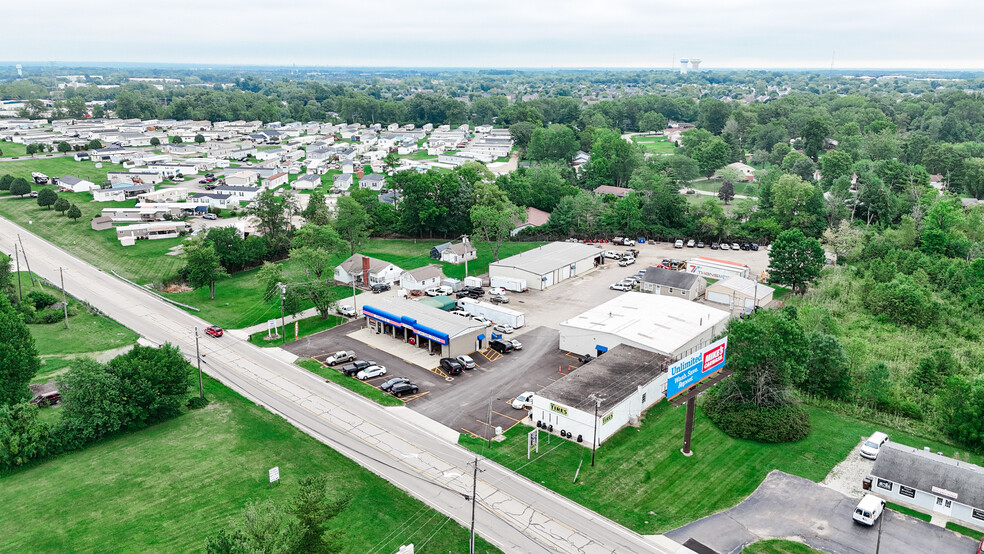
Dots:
{"x": 516, "y": 514}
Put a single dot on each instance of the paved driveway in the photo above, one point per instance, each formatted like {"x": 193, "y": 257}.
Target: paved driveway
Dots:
{"x": 786, "y": 506}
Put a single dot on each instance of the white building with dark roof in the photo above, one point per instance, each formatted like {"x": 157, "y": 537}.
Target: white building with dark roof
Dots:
{"x": 366, "y": 271}
{"x": 659, "y": 280}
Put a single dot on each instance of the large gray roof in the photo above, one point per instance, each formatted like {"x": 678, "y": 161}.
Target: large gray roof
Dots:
{"x": 615, "y": 374}
{"x": 550, "y": 257}
{"x": 453, "y": 325}
{"x": 924, "y": 470}
{"x": 669, "y": 278}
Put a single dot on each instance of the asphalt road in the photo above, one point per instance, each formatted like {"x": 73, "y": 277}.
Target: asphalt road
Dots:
{"x": 516, "y": 514}
{"x": 787, "y": 506}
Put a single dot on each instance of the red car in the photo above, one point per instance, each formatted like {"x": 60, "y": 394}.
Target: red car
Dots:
{"x": 980, "y": 547}
{"x": 214, "y": 331}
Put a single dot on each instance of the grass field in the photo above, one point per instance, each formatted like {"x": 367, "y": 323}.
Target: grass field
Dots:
{"x": 359, "y": 387}
{"x": 654, "y": 144}
{"x": 972, "y": 533}
{"x": 58, "y": 167}
{"x": 12, "y": 150}
{"x": 909, "y": 511}
{"x": 305, "y": 327}
{"x": 714, "y": 185}
{"x": 166, "y": 488}
{"x": 419, "y": 155}
{"x": 779, "y": 546}
{"x": 640, "y": 474}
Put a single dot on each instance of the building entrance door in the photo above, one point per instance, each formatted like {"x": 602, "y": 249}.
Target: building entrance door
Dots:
{"x": 943, "y": 505}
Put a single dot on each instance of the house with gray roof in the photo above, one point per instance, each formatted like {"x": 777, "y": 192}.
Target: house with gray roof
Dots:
{"x": 373, "y": 181}
{"x": 422, "y": 278}
{"x": 659, "y": 280}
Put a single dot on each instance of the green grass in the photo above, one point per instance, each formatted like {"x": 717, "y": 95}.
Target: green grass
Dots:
{"x": 359, "y": 387}
{"x": 972, "y": 533}
{"x": 419, "y": 155}
{"x": 780, "y": 292}
{"x": 409, "y": 254}
{"x": 640, "y": 474}
{"x": 306, "y": 327}
{"x": 655, "y": 145}
{"x": 779, "y": 546}
{"x": 58, "y": 167}
{"x": 909, "y": 511}
{"x": 166, "y": 488}
{"x": 12, "y": 150}
{"x": 714, "y": 185}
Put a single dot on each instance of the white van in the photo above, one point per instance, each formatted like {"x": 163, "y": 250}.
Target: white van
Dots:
{"x": 871, "y": 446}
{"x": 869, "y": 509}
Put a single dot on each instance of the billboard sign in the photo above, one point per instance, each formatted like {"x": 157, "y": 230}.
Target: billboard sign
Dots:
{"x": 695, "y": 368}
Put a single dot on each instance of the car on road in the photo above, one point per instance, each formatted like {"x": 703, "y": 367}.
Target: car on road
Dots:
{"x": 735, "y": 246}
{"x": 390, "y": 383}
{"x": 524, "y": 400}
{"x": 501, "y": 346}
{"x": 213, "y": 331}
{"x": 871, "y": 446}
{"x": 483, "y": 320}
{"x": 466, "y": 361}
{"x": 715, "y": 246}
{"x": 869, "y": 509}
{"x": 404, "y": 388}
{"x": 700, "y": 244}
{"x": 496, "y": 291}
{"x": 451, "y": 366}
{"x": 339, "y": 357}
{"x": 678, "y": 243}
{"x": 503, "y": 328}
{"x": 499, "y": 299}
{"x": 691, "y": 243}
{"x": 626, "y": 262}
{"x": 46, "y": 399}
{"x": 355, "y": 367}
{"x": 380, "y": 287}
{"x": 371, "y": 372}
{"x": 725, "y": 246}
{"x": 516, "y": 344}
{"x": 346, "y": 310}
{"x": 980, "y": 547}
{"x": 620, "y": 286}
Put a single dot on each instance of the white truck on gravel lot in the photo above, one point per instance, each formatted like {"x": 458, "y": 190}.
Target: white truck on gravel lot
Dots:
{"x": 509, "y": 283}
{"x": 497, "y": 314}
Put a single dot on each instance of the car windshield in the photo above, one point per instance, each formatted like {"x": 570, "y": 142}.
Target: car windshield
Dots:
{"x": 871, "y": 444}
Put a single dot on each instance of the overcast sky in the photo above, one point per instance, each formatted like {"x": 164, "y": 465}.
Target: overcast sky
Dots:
{"x": 940, "y": 34}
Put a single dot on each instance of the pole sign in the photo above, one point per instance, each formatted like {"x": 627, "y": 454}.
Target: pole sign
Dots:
{"x": 533, "y": 444}
{"x": 275, "y": 474}
{"x": 695, "y": 368}
{"x": 297, "y": 328}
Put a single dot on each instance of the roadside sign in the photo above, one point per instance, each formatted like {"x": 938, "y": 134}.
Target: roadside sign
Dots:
{"x": 275, "y": 474}
{"x": 297, "y": 327}
{"x": 533, "y": 443}
{"x": 695, "y": 368}
{"x": 272, "y": 324}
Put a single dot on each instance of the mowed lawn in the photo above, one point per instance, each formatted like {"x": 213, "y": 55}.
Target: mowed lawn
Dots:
{"x": 166, "y": 488}
{"x": 654, "y": 144}
{"x": 57, "y": 167}
{"x": 779, "y": 546}
{"x": 642, "y": 481}
{"x": 714, "y": 185}
{"x": 12, "y": 150}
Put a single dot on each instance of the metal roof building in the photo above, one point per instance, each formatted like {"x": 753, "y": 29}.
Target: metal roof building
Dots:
{"x": 425, "y": 326}
{"x": 549, "y": 264}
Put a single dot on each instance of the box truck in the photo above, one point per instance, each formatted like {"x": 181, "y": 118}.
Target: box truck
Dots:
{"x": 510, "y": 283}
{"x": 497, "y": 314}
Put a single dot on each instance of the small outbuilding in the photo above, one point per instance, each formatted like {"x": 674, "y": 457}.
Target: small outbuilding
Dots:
{"x": 454, "y": 253}
{"x": 716, "y": 269}
{"x": 659, "y": 280}
{"x": 548, "y": 265}
{"x": 422, "y": 278}
{"x": 738, "y": 292}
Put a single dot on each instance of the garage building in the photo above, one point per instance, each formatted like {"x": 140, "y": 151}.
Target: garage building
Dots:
{"x": 738, "y": 292}
{"x": 931, "y": 483}
{"x": 548, "y": 265}
{"x": 627, "y": 381}
{"x": 667, "y": 325}
{"x": 716, "y": 269}
{"x": 425, "y": 327}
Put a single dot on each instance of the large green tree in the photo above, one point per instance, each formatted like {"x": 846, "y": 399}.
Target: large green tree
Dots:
{"x": 24, "y": 436}
{"x": 47, "y": 198}
{"x": 795, "y": 260}
{"x": 274, "y": 214}
{"x": 493, "y": 216}
{"x": 20, "y": 187}
{"x": 553, "y": 143}
{"x": 352, "y": 222}
{"x": 203, "y": 265}
{"x": 313, "y": 249}
{"x": 19, "y": 361}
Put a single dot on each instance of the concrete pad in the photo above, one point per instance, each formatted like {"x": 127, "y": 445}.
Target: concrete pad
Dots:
{"x": 407, "y": 352}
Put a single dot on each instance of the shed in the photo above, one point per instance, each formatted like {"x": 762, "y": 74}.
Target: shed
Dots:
{"x": 740, "y": 292}
{"x": 659, "y": 280}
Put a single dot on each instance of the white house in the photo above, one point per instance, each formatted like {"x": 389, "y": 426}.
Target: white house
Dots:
{"x": 74, "y": 184}
{"x": 348, "y": 167}
{"x": 373, "y": 181}
{"x": 215, "y": 200}
{"x": 342, "y": 182}
{"x": 455, "y": 253}
{"x": 241, "y": 178}
{"x": 239, "y": 194}
{"x": 358, "y": 267}
{"x": 422, "y": 278}
{"x": 308, "y": 181}
{"x": 275, "y": 180}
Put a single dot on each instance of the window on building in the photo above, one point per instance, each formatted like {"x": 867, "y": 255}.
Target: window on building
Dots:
{"x": 644, "y": 398}
{"x": 884, "y": 484}
{"x": 907, "y": 491}
{"x": 683, "y": 293}
{"x": 671, "y": 291}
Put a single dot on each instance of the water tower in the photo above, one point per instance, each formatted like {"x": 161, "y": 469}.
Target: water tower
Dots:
{"x": 683, "y": 66}
{"x": 20, "y": 70}
{"x": 695, "y": 64}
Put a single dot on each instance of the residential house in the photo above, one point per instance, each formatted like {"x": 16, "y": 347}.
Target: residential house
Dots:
{"x": 374, "y": 181}
{"x": 358, "y": 267}
{"x": 454, "y": 253}
{"x": 348, "y": 167}
{"x": 215, "y": 200}
{"x": 391, "y": 197}
{"x": 620, "y": 192}
{"x": 150, "y": 231}
{"x": 307, "y": 181}
{"x": 747, "y": 172}
{"x": 534, "y": 218}
{"x": 242, "y": 178}
{"x": 659, "y": 280}
{"x": 69, "y": 183}
{"x": 275, "y": 180}
{"x": 120, "y": 194}
{"x": 342, "y": 182}
{"x": 422, "y": 278}
{"x": 239, "y": 194}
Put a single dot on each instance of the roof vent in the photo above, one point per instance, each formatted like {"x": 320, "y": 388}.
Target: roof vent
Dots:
{"x": 926, "y": 448}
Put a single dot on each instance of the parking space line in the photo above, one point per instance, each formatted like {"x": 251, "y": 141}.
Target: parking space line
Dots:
{"x": 504, "y": 415}
{"x": 415, "y": 396}
{"x": 469, "y": 432}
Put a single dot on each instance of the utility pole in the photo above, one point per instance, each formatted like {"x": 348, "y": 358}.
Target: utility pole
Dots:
{"x": 688, "y": 428}
{"x": 283, "y": 323}
{"x": 490, "y": 421}
{"x": 594, "y": 443}
{"x": 881, "y": 518}
{"x": 26, "y": 261}
{"x": 61, "y": 271}
{"x": 20, "y": 290}
{"x": 198, "y": 354}
{"x": 471, "y": 542}
{"x": 355, "y": 305}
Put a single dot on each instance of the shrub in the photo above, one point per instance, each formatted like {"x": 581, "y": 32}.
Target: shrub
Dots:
{"x": 197, "y": 402}
{"x": 40, "y": 299}
{"x": 788, "y": 423}
{"x": 903, "y": 301}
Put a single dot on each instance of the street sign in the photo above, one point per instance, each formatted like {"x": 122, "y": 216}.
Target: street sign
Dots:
{"x": 275, "y": 474}
{"x": 533, "y": 443}
{"x": 272, "y": 324}
{"x": 695, "y": 368}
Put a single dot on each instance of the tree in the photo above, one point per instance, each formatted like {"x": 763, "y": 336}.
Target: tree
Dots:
{"x": 74, "y": 212}
{"x": 5, "y": 181}
{"x": 313, "y": 248}
{"x": 92, "y": 406}
{"x": 933, "y": 371}
{"x": 835, "y": 164}
{"x": 315, "y": 506}
{"x": 154, "y": 141}
{"x": 521, "y": 133}
{"x": 19, "y": 360}
{"x": 727, "y": 191}
{"x": 791, "y": 199}
{"x": 712, "y": 114}
{"x": 827, "y": 370}
{"x": 553, "y": 143}
{"x": 902, "y": 301}
{"x": 652, "y": 122}
{"x": 61, "y": 205}
{"x": 176, "y": 140}
{"x": 271, "y": 276}
{"x": 154, "y": 382}
{"x": 493, "y": 216}
{"x": 712, "y": 156}
{"x": 842, "y": 240}
{"x": 199, "y": 138}
{"x": 31, "y": 149}
{"x": 352, "y": 223}
{"x": 391, "y": 161}
{"x": 64, "y": 147}
{"x": 963, "y": 410}
{"x": 795, "y": 260}
{"x": 24, "y": 436}
{"x": 20, "y": 187}
{"x": 814, "y": 137}
{"x": 47, "y": 197}
{"x": 236, "y": 253}
{"x": 273, "y": 214}
{"x": 94, "y": 144}
{"x": 202, "y": 264}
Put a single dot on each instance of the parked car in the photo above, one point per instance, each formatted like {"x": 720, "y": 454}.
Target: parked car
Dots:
{"x": 610, "y": 254}
{"x": 401, "y": 389}
{"x": 585, "y": 359}
{"x": 725, "y": 246}
{"x": 451, "y": 366}
{"x": 346, "y": 310}
{"x": 466, "y": 361}
{"x": 379, "y": 287}
{"x": 677, "y": 265}
{"x": 501, "y": 346}
{"x": 462, "y": 313}
{"x": 871, "y": 446}
{"x": 46, "y": 399}
{"x": 483, "y": 320}
{"x": 715, "y": 246}
{"x": 620, "y": 286}
{"x": 503, "y": 328}
{"x": 691, "y": 243}
{"x": 516, "y": 344}
{"x": 869, "y": 509}
{"x": 626, "y": 262}
{"x": 734, "y": 246}
{"x": 628, "y": 242}
{"x": 475, "y": 290}
{"x": 464, "y": 294}
{"x": 371, "y": 372}
{"x": 980, "y": 547}
{"x": 755, "y": 247}
{"x": 355, "y": 367}
{"x": 700, "y": 244}
{"x": 496, "y": 291}
{"x": 746, "y": 246}
{"x": 339, "y": 357}
{"x": 390, "y": 383}
{"x": 433, "y": 291}
{"x": 524, "y": 400}
{"x": 214, "y": 331}
{"x": 678, "y": 244}
{"x": 500, "y": 299}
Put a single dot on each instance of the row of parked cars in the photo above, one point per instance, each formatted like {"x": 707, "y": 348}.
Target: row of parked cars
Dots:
{"x": 364, "y": 370}
{"x": 629, "y": 283}
{"x": 717, "y": 245}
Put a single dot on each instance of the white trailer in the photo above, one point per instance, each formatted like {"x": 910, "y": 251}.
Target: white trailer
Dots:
{"x": 497, "y": 314}
{"x": 716, "y": 269}
{"x": 509, "y": 283}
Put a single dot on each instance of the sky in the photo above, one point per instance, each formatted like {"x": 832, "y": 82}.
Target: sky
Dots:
{"x": 761, "y": 34}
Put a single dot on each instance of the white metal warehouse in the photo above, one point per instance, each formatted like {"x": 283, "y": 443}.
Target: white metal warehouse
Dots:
{"x": 549, "y": 264}
{"x": 738, "y": 292}
{"x": 626, "y": 380}
{"x": 667, "y": 325}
